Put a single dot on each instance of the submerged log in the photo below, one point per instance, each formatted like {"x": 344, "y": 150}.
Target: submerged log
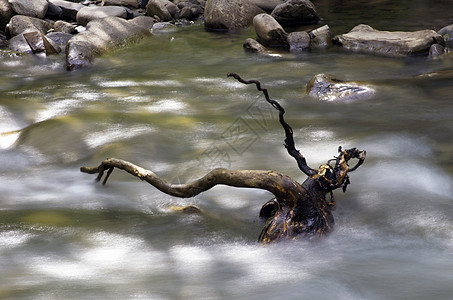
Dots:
{"x": 298, "y": 210}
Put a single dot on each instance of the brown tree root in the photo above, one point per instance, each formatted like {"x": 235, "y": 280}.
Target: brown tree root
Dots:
{"x": 298, "y": 210}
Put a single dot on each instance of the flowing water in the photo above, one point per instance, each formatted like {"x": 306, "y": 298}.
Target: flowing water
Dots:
{"x": 167, "y": 105}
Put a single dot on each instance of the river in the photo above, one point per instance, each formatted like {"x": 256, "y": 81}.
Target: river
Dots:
{"x": 167, "y": 105}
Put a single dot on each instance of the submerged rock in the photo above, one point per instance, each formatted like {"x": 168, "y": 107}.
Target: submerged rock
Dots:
{"x": 253, "y": 46}
{"x": 364, "y": 38}
{"x": 229, "y": 14}
{"x": 270, "y": 33}
{"x": 101, "y": 35}
{"x": 327, "y": 87}
{"x": 295, "y": 12}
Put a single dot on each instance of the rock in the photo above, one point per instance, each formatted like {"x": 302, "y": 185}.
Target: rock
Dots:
{"x": 101, "y": 35}
{"x": 447, "y": 33}
{"x": 31, "y": 8}
{"x": 329, "y": 88}
{"x": 163, "y": 9}
{"x": 20, "y": 24}
{"x": 126, "y": 3}
{"x": 436, "y": 50}
{"x": 229, "y": 14}
{"x": 69, "y": 9}
{"x": 143, "y": 21}
{"x": 364, "y": 38}
{"x": 19, "y": 44}
{"x": 294, "y": 12}
{"x": 253, "y": 46}
{"x": 59, "y": 38}
{"x": 267, "y": 5}
{"x": 163, "y": 27}
{"x": 6, "y": 13}
{"x": 321, "y": 37}
{"x": 298, "y": 41}
{"x": 54, "y": 12}
{"x": 270, "y": 32}
{"x": 89, "y": 13}
{"x": 62, "y": 26}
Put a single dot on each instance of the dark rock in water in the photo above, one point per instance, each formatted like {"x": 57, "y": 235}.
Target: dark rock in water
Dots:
{"x": 101, "y": 35}
{"x": 295, "y": 12}
{"x": 298, "y": 41}
{"x": 329, "y": 88}
{"x": 20, "y": 24}
{"x": 89, "y": 13}
{"x": 253, "y": 46}
{"x": 6, "y": 13}
{"x": 69, "y": 9}
{"x": 270, "y": 33}
{"x": 436, "y": 50}
{"x": 229, "y": 14}
{"x": 267, "y": 5}
{"x": 31, "y": 8}
{"x": 163, "y": 9}
{"x": 364, "y": 38}
{"x": 321, "y": 37}
{"x": 125, "y": 3}
{"x": 447, "y": 33}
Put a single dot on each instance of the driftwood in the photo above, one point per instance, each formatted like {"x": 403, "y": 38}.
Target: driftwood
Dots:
{"x": 298, "y": 210}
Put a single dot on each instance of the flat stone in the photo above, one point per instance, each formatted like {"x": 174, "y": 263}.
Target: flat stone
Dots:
{"x": 329, "y": 88}
{"x": 364, "y": 38}
{"x": 31, "y": 8}
{"x": 227, "y": 15}
{"x": 89, "y": 13}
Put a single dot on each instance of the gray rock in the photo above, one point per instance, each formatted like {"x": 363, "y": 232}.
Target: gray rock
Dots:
{"x": 89, "y": 13}
{"x": 20, "y": 24}
{"x": 267, "y": 5}
{"x": 69, "y": 9}
{"x": 126, "y": 3}
{"x": 163, "y": 9}
{"x": 253, "y": 46}
{"x": 436, "y": 50}
{"x": 163, "y": 27}
{"x": 143, "y": 21}
{"x": 6, "y": 13}
{"x": 270, "y": 33}
{"x": 329, "y": 88}
{"x": 62, "y": 26}
{"x": 101, "y": 35}
{"x": 447, "y": 33}
{"x": 321, "y": 37}
{"x": 364, "y": 38}
{"x": 229, "y": 14}
{"x": 59, "y": 38}
{"x": 19, "y": 44}
{"x": 298, "y": 41}
{"x": 31, "y": 8}
{"x": 296, "y": 12}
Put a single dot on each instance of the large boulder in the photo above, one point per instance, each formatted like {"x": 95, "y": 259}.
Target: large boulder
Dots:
{"x": 163, "y": 9}
{"x": 31, "y": 8}
{"x": 101, "y": 35}
{"x": 89, "y": 13}
{"x": 270, "y": 33}
{"x": 69, "y": 9}
{"x": 364, "y": 38}
{"x": 329, "y": 88}
{"x": 229, "y": 14}
{"x": 294, "y": 12}
{"x": 6, "y": 13}
{"x": 447, "y": 33}
{"x": 20, "y": 24}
